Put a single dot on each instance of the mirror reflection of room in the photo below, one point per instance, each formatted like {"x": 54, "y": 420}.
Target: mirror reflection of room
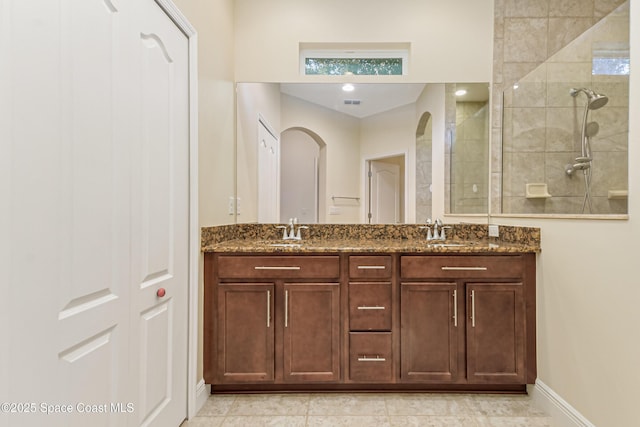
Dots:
{"x": 357, "y": 156}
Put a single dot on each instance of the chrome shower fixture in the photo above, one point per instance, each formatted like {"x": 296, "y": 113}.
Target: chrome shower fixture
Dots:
{"x": 595, "y": 100}
{"x": 589, "y": 129}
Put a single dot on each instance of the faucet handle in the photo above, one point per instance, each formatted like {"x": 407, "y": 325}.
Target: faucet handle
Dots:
{"x": 442, "y": 234}
{"x": 428, "y": 227}
{"x": 299, "y": 236}
{"x": 284, "y": 232}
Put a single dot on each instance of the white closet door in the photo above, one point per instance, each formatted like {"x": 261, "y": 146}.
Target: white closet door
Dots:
{"x": 94, "y": 156}
{"x": 160, "y": 197}
{"x": 268, "y": 175}
{"x": 68, "y": 268}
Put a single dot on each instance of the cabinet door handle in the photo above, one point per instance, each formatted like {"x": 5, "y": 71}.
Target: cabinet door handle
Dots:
{"x": 371, "y": 359}
{"x": 473, "y": 309}
{"x": 445, "y": 268}
{"x": 265, "y": 267}
{"x": 286, "y": 309}
{"x": 371, "y": 267}
{"x": 455, "y": 308}
{"x": 371, "y": 307}
{"x": 268, "y": 309}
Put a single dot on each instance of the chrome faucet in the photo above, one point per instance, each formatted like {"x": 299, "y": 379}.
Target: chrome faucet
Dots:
{"x": 438, "y": 230}
{"x": 292, "y": 234}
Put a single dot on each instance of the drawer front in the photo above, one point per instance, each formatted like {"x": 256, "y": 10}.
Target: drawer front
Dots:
{"x": 370, "y": 357}
{"x": 463, "y": 266}
{"x": 261, "y": 267}
{"x": 370, "y": 306}
{"x": 370, "y": 267}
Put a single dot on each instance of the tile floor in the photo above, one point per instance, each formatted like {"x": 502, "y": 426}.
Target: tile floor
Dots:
{"x": 370, "y": 409}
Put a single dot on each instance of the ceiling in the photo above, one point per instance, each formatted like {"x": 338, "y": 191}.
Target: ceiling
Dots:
{"x": 373, "y": 98}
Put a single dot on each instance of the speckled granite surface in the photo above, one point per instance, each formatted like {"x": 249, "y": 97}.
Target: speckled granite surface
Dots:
{"x": 461, "y": 238}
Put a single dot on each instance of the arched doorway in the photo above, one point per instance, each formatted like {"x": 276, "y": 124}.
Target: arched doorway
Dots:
{"x": 302, "y": 173}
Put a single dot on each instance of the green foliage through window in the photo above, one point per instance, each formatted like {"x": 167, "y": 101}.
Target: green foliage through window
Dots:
{"x": 356, "y": 66}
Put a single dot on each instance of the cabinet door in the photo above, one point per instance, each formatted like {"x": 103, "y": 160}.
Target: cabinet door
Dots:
{"x": 311, "y": 332}
{"x": 429, "y": 332}
{"x": 245, "y": 332}
{"x": 495, "y": 333}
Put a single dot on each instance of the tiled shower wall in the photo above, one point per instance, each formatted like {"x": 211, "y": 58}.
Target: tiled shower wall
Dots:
{"x": 470, "y": 154}
{"x": 527, "y": 33}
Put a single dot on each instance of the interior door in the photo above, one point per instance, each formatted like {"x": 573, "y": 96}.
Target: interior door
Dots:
{"x": 67, "y": 257}
{"x": 384, "y": 184}
{"x": 268, "y": 174}
{"x": 94, "y": 186}
{"x": 160, "y": 189}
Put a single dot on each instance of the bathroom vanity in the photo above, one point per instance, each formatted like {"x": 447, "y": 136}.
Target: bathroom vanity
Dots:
{"x": 369, "y": 314}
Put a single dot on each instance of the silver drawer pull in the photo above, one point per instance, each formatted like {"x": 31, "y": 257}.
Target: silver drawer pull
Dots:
{"x": 371, "y": 359}
{"x": 261, "y": 267}
{"x": 371, "y": 267}
{"x": 370, "y": 307}
{"x": 464, "y": 268}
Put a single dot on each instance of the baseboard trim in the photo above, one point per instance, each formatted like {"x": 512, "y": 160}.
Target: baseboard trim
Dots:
{"x": 561, "y": 412}
{"x": 202, "y": 394}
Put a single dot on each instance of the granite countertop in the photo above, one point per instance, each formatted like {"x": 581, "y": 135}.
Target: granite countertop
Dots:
{"x": 369, "y": 246}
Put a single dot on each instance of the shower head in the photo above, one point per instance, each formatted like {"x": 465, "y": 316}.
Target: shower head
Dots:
{"x": 595, "y": 100}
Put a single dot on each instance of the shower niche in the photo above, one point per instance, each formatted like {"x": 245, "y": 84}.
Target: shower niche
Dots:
{"x": 565, "y": 129}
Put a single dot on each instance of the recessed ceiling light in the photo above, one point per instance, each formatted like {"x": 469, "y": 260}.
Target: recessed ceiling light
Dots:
{"x": 461, "y": 92}
{"x": 348, "y": 87}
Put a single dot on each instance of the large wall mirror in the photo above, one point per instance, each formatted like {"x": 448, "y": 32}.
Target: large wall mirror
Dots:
{"x": 359, "y": 153}
{"x": 565, "y": 129}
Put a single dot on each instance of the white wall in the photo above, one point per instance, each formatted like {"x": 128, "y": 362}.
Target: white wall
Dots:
{"x": 389, "y": 134}
{"x": 589, "y": 294}
{"x": 213, "y": 22}
{"x": 450, "y": 40}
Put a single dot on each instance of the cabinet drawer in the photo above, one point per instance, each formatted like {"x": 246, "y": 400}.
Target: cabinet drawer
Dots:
{"x": 370, "y": 357}
{"x": 261, "y": 267}
{"x": 370, "y": 306}
{"x": 370, "y": 267}
{"x": 420, "y": 267}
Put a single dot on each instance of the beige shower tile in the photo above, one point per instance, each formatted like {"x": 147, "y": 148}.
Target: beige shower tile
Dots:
{"x": 563, "y": 129}
{"x": 347, "y": 404}
{"x": 562, "y": 31}
{"x": 515, "y": 71}
{"x": 602, "y": 8}
{"x": 573, "y": 8}
{"x": 569, "y": 72}
{"x": 526, "y": 9}
{"x": 528, "y": 129}
{"x": 526, "y": 40}
{"x": 270, "y": 404}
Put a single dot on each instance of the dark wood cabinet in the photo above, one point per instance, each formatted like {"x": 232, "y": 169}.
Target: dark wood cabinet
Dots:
{"x": 496, "y": 333}
{"x": 311, "y": 350}
{"x": 275, "y": 322}
{"x": 468, "y": 319}
{"x": 245, "y": 333}
{"x": 431, "y": 331}
{"x": 395, "y": 321}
